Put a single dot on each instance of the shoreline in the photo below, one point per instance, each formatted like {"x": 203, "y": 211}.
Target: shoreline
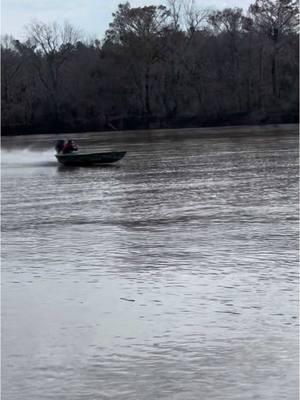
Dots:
{"x": 109, "y": 138}
{"x": 217, "y": 128}
{"x": 155, "y": 123}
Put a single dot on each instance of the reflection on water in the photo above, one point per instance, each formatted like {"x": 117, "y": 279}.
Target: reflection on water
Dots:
{"x": 170, "y": 275}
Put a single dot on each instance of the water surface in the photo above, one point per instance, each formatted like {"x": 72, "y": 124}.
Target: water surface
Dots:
{"x": 170, "y": 275}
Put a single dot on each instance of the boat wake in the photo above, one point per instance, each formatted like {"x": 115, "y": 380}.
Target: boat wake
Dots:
{"x": 27, "y": 157}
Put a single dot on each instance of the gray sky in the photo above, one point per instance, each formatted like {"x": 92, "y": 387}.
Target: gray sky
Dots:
{"x": 92, "y": 16}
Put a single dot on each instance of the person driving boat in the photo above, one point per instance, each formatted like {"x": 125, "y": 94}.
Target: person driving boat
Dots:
{"x": 59, "y": 146}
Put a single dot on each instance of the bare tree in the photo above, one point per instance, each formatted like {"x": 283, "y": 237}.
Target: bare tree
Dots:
{"x": 175, "y": 7}
{"x": 138, "y": 31}
{"x": 53, "y": 46}
{"x": 194, "y": 17}
{"x": 10, "y": 64}
{"x": 275, "y": 19}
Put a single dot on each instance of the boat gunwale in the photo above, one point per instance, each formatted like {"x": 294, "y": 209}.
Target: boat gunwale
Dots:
{"x": 88, "y": 154}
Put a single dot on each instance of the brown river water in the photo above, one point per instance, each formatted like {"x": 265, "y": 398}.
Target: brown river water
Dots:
{"x": 170, "y": 275}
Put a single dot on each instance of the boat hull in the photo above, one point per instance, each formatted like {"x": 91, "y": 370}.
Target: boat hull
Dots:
{"x": 84, "y": 159}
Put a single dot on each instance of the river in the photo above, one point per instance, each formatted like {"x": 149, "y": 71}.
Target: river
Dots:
{"x": 170, "y": 275}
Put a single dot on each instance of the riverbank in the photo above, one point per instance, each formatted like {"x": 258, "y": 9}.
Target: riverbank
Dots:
{"x": 154, "y": 122}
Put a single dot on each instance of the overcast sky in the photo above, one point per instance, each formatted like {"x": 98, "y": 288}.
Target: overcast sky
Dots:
{"x": 92, "y": 16}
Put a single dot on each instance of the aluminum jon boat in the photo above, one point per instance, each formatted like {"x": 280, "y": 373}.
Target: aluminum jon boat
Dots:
{"x": 85, "y": 159}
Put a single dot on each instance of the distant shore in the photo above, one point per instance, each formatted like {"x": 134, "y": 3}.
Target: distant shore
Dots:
{"x": 154, "y": 122}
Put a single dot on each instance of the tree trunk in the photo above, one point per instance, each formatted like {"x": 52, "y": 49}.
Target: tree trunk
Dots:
{"x": 147, "y": 96}
{"x": 5, "y": 85}
{"x": 261, "y": 81}
{"x": 274, "y": 73}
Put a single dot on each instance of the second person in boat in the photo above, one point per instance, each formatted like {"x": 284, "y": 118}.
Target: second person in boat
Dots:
{"x": 69, "y": 147}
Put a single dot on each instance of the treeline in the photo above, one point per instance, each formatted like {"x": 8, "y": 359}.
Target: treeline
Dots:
{"x": 158, "y": 66}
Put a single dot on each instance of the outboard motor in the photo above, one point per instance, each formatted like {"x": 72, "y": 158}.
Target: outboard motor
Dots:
{"x": 59, "y": 146}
